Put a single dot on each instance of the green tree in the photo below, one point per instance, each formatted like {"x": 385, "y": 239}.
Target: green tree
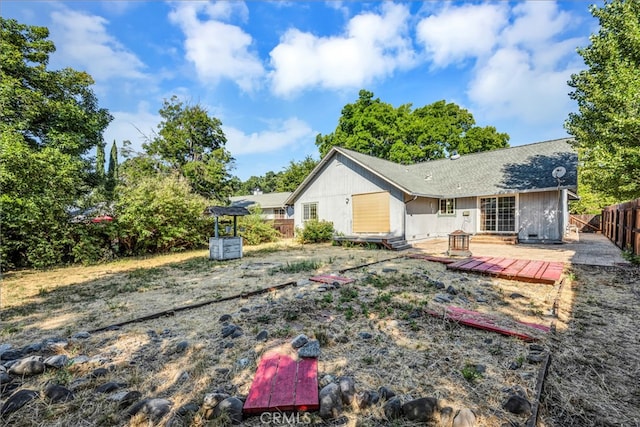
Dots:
{"x": 100, "y": 159}
{"x": 192, "y": 143}
{"x": 607, "y": 125}
{"x": 112, "y": 172}
{"x": 408, "y": 136}
{"x": 49, "y": 120}
{"x": 290, "y": 178}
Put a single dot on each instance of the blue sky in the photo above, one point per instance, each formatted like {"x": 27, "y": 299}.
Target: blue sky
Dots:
{"x": 278, "y": 73}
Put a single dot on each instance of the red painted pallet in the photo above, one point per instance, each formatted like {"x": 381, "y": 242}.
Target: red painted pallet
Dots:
{"x": 523, "y": 270}
{"x": 485, "y": 322}
{"x": 328, "y": 278}
{"x": 282, "y": 383}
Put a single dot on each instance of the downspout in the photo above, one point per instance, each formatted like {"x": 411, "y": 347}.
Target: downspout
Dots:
{"x": 404, "y": 218}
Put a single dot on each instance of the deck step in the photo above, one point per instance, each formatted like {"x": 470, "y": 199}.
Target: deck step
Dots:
{"x": 489, "y": 238}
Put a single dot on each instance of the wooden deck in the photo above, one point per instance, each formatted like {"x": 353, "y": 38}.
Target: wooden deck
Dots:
{"x": 282, "y": 383}
{"x": 514, "y": 269}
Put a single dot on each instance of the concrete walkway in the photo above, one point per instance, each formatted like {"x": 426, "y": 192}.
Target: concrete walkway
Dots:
{"x": 589, "y": 249}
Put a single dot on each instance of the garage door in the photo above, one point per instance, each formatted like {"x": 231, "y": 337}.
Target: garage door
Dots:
{"x": 371, "y": 212}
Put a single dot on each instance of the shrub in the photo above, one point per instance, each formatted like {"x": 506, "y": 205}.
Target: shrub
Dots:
{"x": 257, "y": 230}
{"x": 315, "y": 231}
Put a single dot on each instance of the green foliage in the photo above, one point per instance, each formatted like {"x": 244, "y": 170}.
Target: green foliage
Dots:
{"x": 287, "y": 180}
{"x": 315, "y": 231}
{"x": 191, "y": 143}
{"x": 297, "y": 267}
{"x": 256, "y": 229}
{"x": 470, "y": 373}
{"x": 112, "y": 172}
{"x": 408, "y": 136}
{"x": 607, "y": 124}
{"x": 100, "y": 159}
{"x": 630, "y": 256}
{"x": 159, "y": 214}
{"x": 94, "y": 242}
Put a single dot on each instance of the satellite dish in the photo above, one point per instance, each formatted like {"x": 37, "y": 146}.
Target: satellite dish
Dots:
{"x": 558, "y": 172}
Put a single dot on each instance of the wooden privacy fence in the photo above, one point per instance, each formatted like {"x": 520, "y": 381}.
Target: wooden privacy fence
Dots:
{"x": 621, "y": 224}
{"x": 586, "y": 223}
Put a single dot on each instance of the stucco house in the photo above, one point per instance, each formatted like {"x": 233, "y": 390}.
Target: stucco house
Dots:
{"x": 507, "y": 192}
{"x": 272, "y": 204}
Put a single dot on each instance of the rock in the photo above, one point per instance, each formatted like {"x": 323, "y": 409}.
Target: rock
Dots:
{"x": 451, "y": 290}
{"x": 109, "y": 387}
{"x": 79, "y": 383}
{"x": 5, "y": 347}
{"x": 154, "y": 409}
{"x": 415, "y": 314}
{"x": 389, "y": 270}
{"x": 83, "y": 335}
{"x": 11, "y": 355}
{"x": 57, "y": 393}
{"x": 129, "y": 399}
{"x": 385, "y": 393}
{"x": 243, "y": 362}
{"x": 54, "y": 344}
{"x": 211, "y": 400}
{"x": 17, "y": 400}
{"x": 518, "y": 405}
{"x": 515, "y": 365}
{"x": 182, "y": 346}
{"x": 347, "y": 389}
{"x": 516, "y": 295}
{"x": 342, "y": 339}
{"x": 422, "y": 409}
{"x": 364, "y": 399}
{"x": 535, "y": 357}
{"x": 443, "y": 298}
{"x": 481, "y": 369}
{"x": 330, "y": 401}
{"x": 181, "y": 377}
{"x": 232, "y": 406}
{"x": 97, "y": 373}
{"x": 224, "y": 318}
{"x": 189, "y": 408}
{"x": 228, "y": 330}
{"x": 32, "y": 348}
{"x": 27, "y": 367}
{"x": 4, "y": 377}
{"x": 326, "y": 380}
{"x": 299, "y": 341}
{"x": 536, "y": 347}
{"x": 393, "y": 408}
{"x": 237, "y": 333}
{"x": 245, "y": 310}
{"x": 78, "y": 360}
{"x": 446, "y": 416}
{"x": 310, "y": 349}
{"x": 365, "y": 335}
{"x": 465, "y": 418}
{"x": 263, "y": 335}
{"x": 58, "y": 361}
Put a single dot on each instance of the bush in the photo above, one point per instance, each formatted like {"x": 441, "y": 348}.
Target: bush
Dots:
{"x": 315, "y": 231}
{"x": 256, "y": 229}
{"x": 95, "y": 242}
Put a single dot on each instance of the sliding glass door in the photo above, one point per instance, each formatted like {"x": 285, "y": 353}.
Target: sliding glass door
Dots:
{"x": 498, "y": 214}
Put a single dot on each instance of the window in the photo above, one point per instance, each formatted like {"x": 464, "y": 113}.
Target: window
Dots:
{"x": 279, "y": 213}
{"x": 447, "y": 207}
{"x": 498, "y": 214}
{"x": 309, "y": 211}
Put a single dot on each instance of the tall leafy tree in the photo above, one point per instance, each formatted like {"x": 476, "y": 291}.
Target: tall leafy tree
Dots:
{"x": 100, "y": 159}
{"x": 407, "y": 135}
{"x": 293, "y": 175}
{"x": 192, "y": 143}
{"x": 112, "y": 171}
{"x": 607, "y": 124}
{"x": 49, "y": 120}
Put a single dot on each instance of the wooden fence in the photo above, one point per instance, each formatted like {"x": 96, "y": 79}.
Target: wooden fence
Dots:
{"x": 586, "y": 223}
{"x": 285, "y": 227}
{"x": 621, "y": 224}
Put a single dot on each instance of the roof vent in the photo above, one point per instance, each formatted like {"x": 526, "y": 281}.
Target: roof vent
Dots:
{"x": 454, "y": 155}
{"x": 428, "y": 176}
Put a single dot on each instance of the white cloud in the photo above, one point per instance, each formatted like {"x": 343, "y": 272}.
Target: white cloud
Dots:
{"x": 289, "y": 133}
{"x": 134, "y": 126}
{"x": 373, "y": 46}
{"x": 217, "y": 49}
{"x": 82, "y": 41}
{"x": 456, "y": 34}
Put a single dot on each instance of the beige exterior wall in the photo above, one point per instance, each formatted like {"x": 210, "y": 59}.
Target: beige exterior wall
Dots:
{"x": 424, "y": 221}
{"x": 541, "y": 216}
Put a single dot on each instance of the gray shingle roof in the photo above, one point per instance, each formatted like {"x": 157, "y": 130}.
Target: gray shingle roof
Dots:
{"x": 523, "y": 168}
{"x": 266, "y": 200}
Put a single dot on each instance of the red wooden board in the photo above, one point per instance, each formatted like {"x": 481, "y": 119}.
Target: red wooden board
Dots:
{"x": 553, "y": 272}
{"x": 328, "y": 278}
{"x": 260, "y": 392}
{"x": 283, "y": 392}
{"x": 479, "y": 321}
{"x": 468, "y": 264}
{"x": 501, "y": 266}
{"x": 488, "y": 265}
{"x": 283, "y": 384}
{"x": 307, "y": 385}
{"x": 531, "y": 269}
{"x": 514, "y": 268}
{"x": 523, "y": 270}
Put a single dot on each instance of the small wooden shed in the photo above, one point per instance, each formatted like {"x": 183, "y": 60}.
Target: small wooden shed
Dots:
{"x": 227, "y": 247}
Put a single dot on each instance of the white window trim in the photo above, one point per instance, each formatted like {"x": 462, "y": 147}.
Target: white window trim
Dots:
{"x": 309, "y": 204}
{"x": 453, "y": 204}
{"x": 479, "y": 214}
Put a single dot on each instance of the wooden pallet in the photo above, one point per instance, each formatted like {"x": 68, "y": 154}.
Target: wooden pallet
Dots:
{"x": 282, "y": 383}
{"x": 485, "y": 322}
{"x": 514, "y": 269}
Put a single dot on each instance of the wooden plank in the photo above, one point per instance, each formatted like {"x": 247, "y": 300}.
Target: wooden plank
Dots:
{"x": 478, "y": 320}
{"x": 260, "y": 391}
{"x": 515, "y": 268}
{"x": 307, "y": 385}
{"x": 328, "y": 278}
{"x": 487, "y": 265}
{"x": 501, "y": 266}
{"x": 531, "y": 269}
{"x": 283, "y": 391}
{"x": 553, "y": 272}
{"x": 468, "y": 264}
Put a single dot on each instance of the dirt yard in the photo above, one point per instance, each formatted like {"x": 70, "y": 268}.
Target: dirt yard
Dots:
{"x": 375, "y": 330}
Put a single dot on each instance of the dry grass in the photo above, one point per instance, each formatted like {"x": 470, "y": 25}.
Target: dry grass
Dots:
{"x": 412, "y": 353}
